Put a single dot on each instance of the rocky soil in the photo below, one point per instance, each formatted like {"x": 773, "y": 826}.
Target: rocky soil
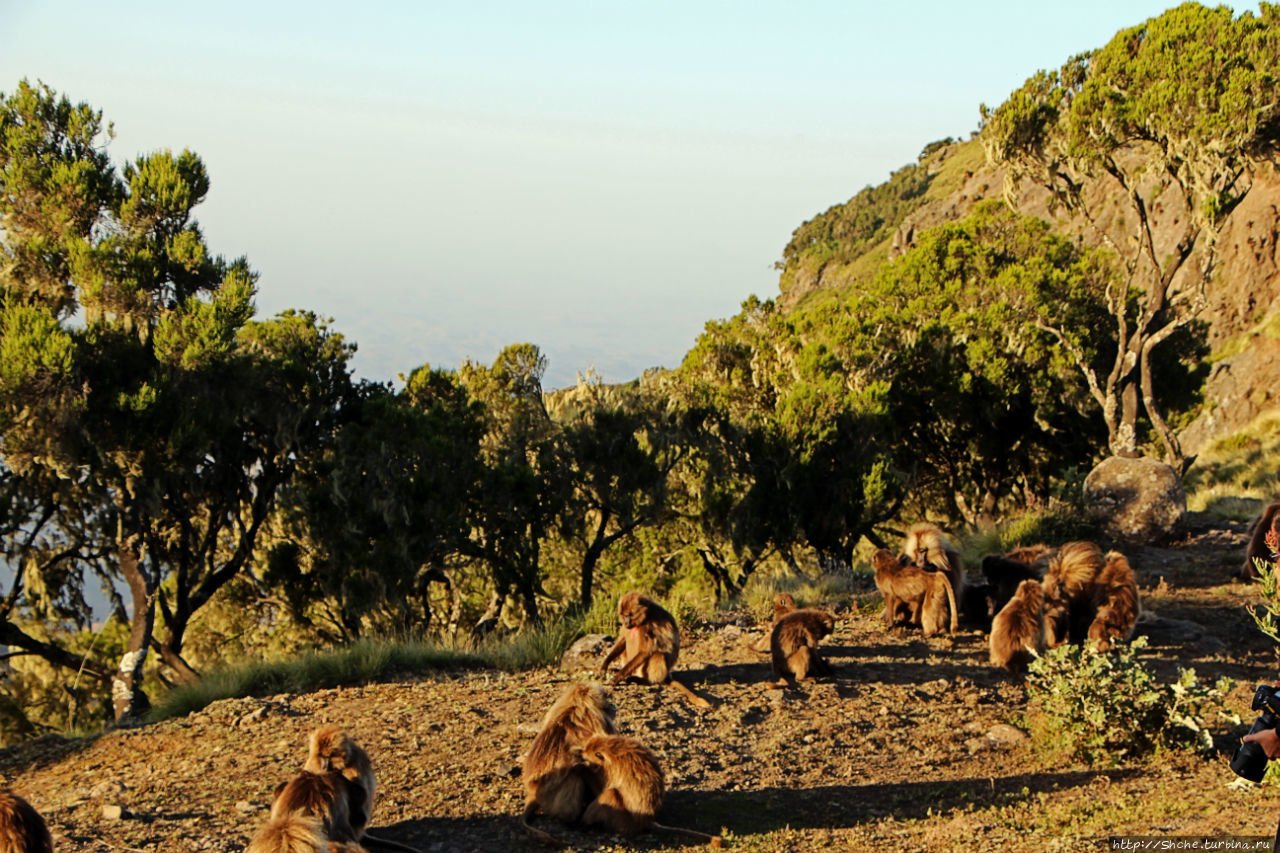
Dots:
{"x": 914, "y": 745}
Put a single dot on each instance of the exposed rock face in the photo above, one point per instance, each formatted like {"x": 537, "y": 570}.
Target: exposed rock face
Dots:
{"x": 1239, "y": 389}
{"x": 1135, "y": 500}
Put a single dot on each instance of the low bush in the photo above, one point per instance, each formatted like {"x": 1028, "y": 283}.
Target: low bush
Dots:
{"x": 1107, "y": 707}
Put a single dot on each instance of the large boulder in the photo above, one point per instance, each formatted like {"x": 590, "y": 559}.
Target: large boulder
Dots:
{"x": 586, "y": 654}
{"x": 1135, "y": 500}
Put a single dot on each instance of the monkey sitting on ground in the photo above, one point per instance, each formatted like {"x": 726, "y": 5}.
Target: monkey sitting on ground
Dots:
{"x": 651, "y": 641}
{"x": 330, "y": 749}
{"x": 312, "y": 812}
{"x": 927, "y": 547}
{"x": 556, "y": 781}
{"x": 1114, "y": 598}
{"x": 919, "y": 595}
{"x": 633, "y": 788}
{"x": 22, "y": 829}
{"x": 793, "y": 644}
{"x": 1018, "y": 630}
{"x": 1267, "y": 522}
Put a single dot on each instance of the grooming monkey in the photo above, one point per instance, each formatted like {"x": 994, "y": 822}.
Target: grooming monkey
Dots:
{"x": 633, "y": 788}
{"x": 793, "y": 644}
{"x": 1114, "y": 599}
{"x": 330, "y": 749}
{"x": 556, "y": 781}
{"x": 310, "y": 812}
{"x": 914, "y": 595}
{"x": 1071, "y": 573}
{"x": 22, "y": 829}
{"x": 651, "y": 642}
{"x": 1018, "y": 631}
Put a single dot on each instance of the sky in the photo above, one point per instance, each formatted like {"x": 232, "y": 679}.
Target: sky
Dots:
{"x": 599, "y": 178}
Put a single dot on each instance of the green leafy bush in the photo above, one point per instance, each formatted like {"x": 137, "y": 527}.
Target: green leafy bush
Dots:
{"x": 1106, "y": 707}
{"x": 1267, "y": 615}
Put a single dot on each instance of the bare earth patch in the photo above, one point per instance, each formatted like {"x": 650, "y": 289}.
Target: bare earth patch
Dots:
{"x": 914, "y": 745}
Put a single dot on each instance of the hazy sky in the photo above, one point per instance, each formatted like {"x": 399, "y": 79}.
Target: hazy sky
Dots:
{"x": 599, "y": 178}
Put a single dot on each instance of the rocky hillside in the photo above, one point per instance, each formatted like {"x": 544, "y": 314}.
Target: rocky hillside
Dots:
{"x": 914, "y": 745}
{"x": 1242, "y": 315}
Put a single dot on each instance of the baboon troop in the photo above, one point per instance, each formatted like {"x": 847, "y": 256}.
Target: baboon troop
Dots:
{"x": 913, "y": 596}
{"x": 1266, "y": 524}
{"x": 1071, "y": 594}
{"x": 793, "y": 644}
{"x": 22, "y": 829}
{"x": 651, "y": 643}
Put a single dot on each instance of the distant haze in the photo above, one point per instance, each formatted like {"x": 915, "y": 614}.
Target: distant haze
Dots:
{"x": 601, "y": 179}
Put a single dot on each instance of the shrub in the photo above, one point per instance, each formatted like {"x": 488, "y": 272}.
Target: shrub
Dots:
{"x": 1266, "y": 615}
{"x": 1109, "y": 706}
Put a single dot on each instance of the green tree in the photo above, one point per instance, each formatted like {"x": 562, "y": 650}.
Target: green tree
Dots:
{"x": 522, "y": 489}
{"x": 1176, "y": 114}
{"x": 150, "y": 421}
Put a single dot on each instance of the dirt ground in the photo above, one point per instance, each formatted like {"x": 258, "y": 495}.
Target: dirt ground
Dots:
{"x": 908, "y": 747}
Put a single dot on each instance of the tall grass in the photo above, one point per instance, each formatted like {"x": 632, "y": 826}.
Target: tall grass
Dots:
{"x": 368, "y": 661}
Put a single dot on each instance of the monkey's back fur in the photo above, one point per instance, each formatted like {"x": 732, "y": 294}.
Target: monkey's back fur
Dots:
{"x": 793, "y": 644}
{"x": 22, "y": 829}
{"x": 633, "y": 784}
{"x": 329, "y": 797}
{"x": 329, "y": 748}
{"x": 1114, "y": 597}
{"x": 296, "y": 834}
{"x": 1018, "y": 630}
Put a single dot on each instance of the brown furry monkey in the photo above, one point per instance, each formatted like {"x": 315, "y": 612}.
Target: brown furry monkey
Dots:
{"x": 633, "y": 788}
{"x": 1018, "y": 630}
{"x": 1070, "y": 579}
{"x": 22, "y": 829}
{"x": 921, "y": 596}
{"x": 556, "y": 781}
{"x": 927, "y": 547}
{"x": 1114, "y": 597}
{"x": 793, "y": 644}
{"x": 329, "y": 748}
{"x": 309, "y": 812}
{"x": 651, "y": 642}
{"x": 1267, "y": 522}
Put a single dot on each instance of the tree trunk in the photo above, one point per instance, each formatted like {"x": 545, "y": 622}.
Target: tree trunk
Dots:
{"x": 183, "y": 672}
{"x": 127, "y": 697}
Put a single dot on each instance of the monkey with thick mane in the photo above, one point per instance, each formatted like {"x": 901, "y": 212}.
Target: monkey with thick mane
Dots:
{"x": 1114, "y": 602}
{"x": 330, "y": 749}
{"x": 557, "y": 782}
{"x": 651, "y": 642}
{"x": 22, "y": 829}
{"x": 633, "y": 788}
{"x": 913, "y": 595}
{"x": 1070, "y": 578}
{"x": 928, "y": 548}
{"x": 793, "y": 644}
{"x": 1267, "y": 523}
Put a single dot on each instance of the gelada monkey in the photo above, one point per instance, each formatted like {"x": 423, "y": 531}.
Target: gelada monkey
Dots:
{"x": 330, "y": 749}
{"x": 914, "y": 595}
{"x": 651, "y": 642}
{"x": 794, "y": 644}
{"x": 22, "y": 829}
{"x": 310, "y": 811}
{"x": 556, "y": 781}
{"x": 633, "y": 788}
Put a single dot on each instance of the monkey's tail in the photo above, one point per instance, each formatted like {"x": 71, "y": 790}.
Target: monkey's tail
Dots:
{"x": 713, "y": 840}
{"x": 386, "y": 844}
{"x": 951, "y": 599}
{"x": 541, "y": 836}
{"x": 683, "y": 690}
